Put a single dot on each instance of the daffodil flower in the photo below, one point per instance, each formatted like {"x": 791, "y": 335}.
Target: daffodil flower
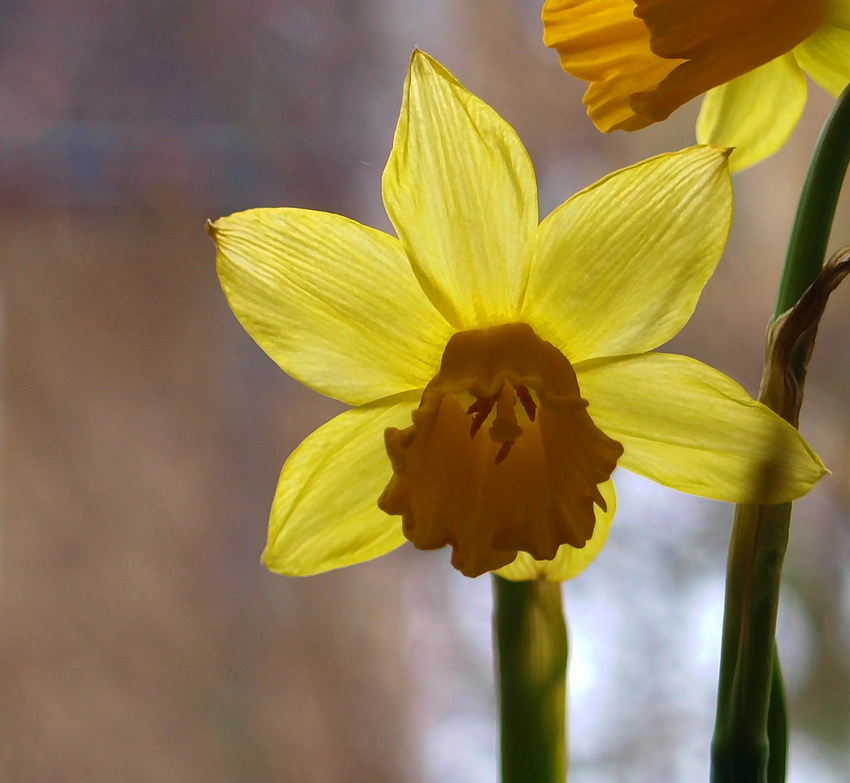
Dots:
{"x": 498, "y": 369}
{"x": 646, "y": 58}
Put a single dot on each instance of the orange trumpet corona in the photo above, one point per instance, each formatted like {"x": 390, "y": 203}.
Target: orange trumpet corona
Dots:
{"x": 526, "y": 482}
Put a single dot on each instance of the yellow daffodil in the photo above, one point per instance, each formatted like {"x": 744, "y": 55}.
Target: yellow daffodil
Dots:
{"x": 518, "y": 351}
{"x": 646, "y": 58}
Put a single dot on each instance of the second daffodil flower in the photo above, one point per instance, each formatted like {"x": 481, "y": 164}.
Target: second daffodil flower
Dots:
{"x": 646, "y": 58}
{"x": 521, "y": 350}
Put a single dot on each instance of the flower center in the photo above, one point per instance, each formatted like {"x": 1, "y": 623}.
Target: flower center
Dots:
{"x": 505, "y": 428}
{"x": 528, "y": 482}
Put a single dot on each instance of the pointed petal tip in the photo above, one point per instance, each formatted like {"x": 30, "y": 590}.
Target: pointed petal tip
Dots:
{"x": 276, "y": 562}
{"x": 418, "y": 58}
{"x": 722, "y": 151}
{"x": 271, "y": 563}
{"x": 726, "y": 159}
{"x": 211, "y": 229}
{"x": 423, "y": 64}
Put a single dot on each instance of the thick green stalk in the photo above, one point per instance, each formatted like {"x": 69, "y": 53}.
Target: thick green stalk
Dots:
{"x": 740, "y": 749}
{"x": 530, "y": 637}
{"x": 816, "y": 208}
{"x": 751, "y": 724}
{"x": 777, "y": 726}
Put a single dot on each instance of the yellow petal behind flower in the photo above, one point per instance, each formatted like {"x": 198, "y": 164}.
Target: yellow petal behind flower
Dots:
{"x": 825, "y": 56}
{"x": 689, "y": 427}
{"x": 620, "y": 266}
{"x": 754, "y": 113}
{"x": 699, "y": 29}
{"x": 325, "y": 513}
{"x": 602, "y": 42}
{"x": 333, "y": 302}
{"x": 838, "y": 13}
{"x": 460, "y": 190}
{"x": 569, "y": 561}
{"x": 646, "y": 58}
{"x": 721, "y": 40}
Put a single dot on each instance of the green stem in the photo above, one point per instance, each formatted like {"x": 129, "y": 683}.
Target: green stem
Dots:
{"x": 777, "y": 726}
{"x": 750, "y": 739}
{"x": 530, "y": 636}
{"x": 740, "y": 748}
{"x": 816, "y": 208}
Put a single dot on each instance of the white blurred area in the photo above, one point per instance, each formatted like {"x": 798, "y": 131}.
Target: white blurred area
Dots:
{"x": 644, "y": 625}
{"x": 140, "y": 639}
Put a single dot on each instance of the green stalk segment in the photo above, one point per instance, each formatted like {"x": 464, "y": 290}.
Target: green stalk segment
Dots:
{"x": 530, "y": 636}
{"x": 777, "y": 726}
{"x": 751, "y": 731}
{"x": 816, "y": 208}
{"x": 740, "y": 749}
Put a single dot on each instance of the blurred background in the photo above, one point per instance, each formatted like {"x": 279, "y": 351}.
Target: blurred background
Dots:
{"x": 143, "y": 431}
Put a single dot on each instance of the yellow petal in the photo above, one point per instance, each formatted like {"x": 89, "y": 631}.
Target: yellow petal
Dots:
{"x": 619, "y": 267}
{"x": 325, "y": 513}
{"x": 569, "y": 562}
{"x": 838, "y": 13}
{"x": 333, "y": 302}
{"x": 691, "y": 428}
{"x": 721, "y": 39}
{"x": 460, "y": 191}
{"x": 825, "y": 56}
{"x": 602, "y": 42}
{"x": 754, "y": 113}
